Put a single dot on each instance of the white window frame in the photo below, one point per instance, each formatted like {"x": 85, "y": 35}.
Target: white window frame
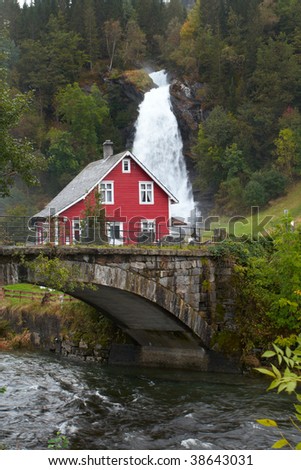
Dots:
{"x": 113, "y": 240}
{"x": 144, "y": 188}
{"x": 148, "y": 225}
{"x": 104, "y": 190}
{"x": 56, "y": 231}
{"x": 128, "y": 162}
{"x": 76, "y": 229}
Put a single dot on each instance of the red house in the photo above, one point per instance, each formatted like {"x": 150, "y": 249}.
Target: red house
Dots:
{"x": 134, "y": 203}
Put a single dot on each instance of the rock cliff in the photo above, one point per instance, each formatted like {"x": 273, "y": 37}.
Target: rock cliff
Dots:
{"x": 189, "y": 107}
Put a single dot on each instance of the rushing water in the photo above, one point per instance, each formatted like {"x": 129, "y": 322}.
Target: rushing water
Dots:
{"x": 158, "y": 144}
{"x": 99, "y": 407}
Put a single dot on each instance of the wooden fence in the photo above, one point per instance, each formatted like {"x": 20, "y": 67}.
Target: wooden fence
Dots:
{"x": 43, "y": 297}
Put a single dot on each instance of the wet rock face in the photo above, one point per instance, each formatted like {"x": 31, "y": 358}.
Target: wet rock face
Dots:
{"x": 188, "y": 101}
{"x": 187, "y": 106}
{"x": 124, "y": 99}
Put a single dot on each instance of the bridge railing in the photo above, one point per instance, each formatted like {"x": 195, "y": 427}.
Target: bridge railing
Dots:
{"x": 14, "y": 230}
{"x": 22, "y": 231}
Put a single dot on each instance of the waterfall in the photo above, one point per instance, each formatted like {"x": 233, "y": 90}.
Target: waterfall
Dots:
{"x": 158, "y": 144}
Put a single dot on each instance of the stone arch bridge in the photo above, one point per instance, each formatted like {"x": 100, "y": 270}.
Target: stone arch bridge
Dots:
{"x": 168, "y": 301}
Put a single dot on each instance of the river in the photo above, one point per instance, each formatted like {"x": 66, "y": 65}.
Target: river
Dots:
{"x": 100, "y": 407}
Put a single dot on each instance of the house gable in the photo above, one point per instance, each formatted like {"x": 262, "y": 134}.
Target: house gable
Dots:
{"x": 127, "y": 192}
{"x": 90, "y": 178}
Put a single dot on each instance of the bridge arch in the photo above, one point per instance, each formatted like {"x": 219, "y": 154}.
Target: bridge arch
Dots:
{"x": 147, "y": 311}
{"x": 154, "y": 296}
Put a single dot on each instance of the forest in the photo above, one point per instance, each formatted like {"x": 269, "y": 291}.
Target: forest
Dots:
{"x": 64, "y": 67}
{"x": 62, "y": 56}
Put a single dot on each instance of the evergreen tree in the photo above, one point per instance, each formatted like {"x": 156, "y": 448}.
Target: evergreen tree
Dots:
{"x": 51, "y": 62}
{"x": 10, "y": 17}
{"x": 90, "y": 31}
{"x": 133, "y": 44}
{"x": 17, "y": 157}
{"x": 150, "y": 17}
{"x": 84, "y": 113}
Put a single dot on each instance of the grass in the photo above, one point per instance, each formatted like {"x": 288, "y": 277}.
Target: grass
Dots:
{"x": 267, "y": 217}
{"x": 139, "y": 78}
{"x": 30, "y": 288}
{"x": 25, "y": 287}
{"x": 291, "y": 202}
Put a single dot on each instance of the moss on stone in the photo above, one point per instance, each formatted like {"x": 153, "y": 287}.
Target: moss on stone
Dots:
{"x": 140, "y": 79}
{"x": 227, "y": 342}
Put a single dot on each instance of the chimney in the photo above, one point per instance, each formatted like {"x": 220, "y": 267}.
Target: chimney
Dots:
{"x": 107, "y": 149}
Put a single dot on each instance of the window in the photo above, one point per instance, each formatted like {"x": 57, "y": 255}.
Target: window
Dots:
{"x": 114, "y": 231}
{"x": 126, "y": 165}
{"x": 148, "y": 226}
{"x": 76, "y": 228}
{"x": 148, "y": 231}
{"x": 107, "y": 192}
{"x": 146, "y": 193}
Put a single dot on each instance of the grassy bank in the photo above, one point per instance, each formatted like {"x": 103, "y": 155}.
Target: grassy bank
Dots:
{"x": 267, "y": 217}
{"x": 31, "y": 324}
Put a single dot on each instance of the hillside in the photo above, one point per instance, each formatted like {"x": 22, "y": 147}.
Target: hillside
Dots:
{"x": 291, "y": 202}
{"x": 237, "y": 68}
{"x": 287, "y": 206}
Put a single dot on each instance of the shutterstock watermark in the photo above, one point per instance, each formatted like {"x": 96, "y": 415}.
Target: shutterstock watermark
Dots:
{"x": 237, "y": 227}
{"x": 117, "y": 229}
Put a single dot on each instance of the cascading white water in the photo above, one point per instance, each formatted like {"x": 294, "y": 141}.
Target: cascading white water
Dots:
{"x": 158, "y": 144}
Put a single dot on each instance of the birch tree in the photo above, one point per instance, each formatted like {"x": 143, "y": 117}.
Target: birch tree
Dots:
{"x": 112, "y": 32}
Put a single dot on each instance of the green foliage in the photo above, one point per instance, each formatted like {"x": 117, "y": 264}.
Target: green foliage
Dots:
{"x": 217, "y": 156}
{"x": 254, "y": 194}
{"x": 242, "y": 252}
{"x": 244, "y": 53}
{"x": 221, "y": 166}
{"x": 59, "y": 442}
{"x": 4, "y": 328}
{"x": 290, "y": 122}
{"x": 93, "y": 220}
{"x": 267, "y": 289}
{"x": 84, "y": 113}
{"x": 228, "y": 342}
{"x": 91, "y": 31}
{"x": 17, "y": 158}
{"x": 48, "y": 63}
{"x": 139, "y": 78}
{"x": 81, "y": 322}
{"x": 285, "y": 380}
{"x": 276, "y": 85}
{"x": 78, "y": 139}
{"x": 112, "y": 32}
{"x": 264, "y": 186}
{"x": 133, "y": 48}
{"x": 286, "y": 151}
{"x": 229, "y": 196}
{"x": 170, "y": 41}
{"x": 63, "y": 162}
{"x": 2, "y": 389}
{"x": 54, "y": 273}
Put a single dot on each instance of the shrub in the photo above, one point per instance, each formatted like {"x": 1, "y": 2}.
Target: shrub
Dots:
{"x": 255, "y": 194}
